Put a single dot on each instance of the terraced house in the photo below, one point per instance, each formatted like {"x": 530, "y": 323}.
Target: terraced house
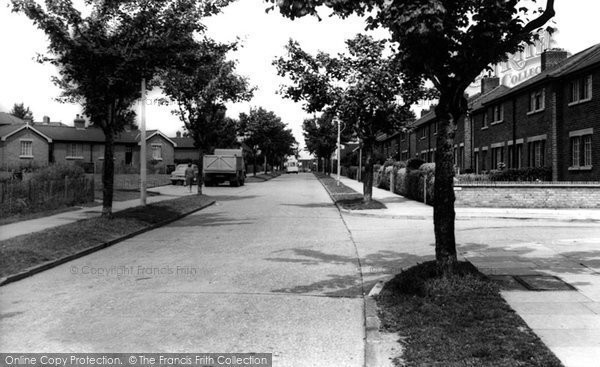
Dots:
{"x": 550, "y": 120}
{"x": 26, "y": 144}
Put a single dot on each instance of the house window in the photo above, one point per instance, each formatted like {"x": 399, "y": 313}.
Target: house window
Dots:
{"x": 581, "y": 151}
{"x": 484, "y": 160}
{"x": 74, "y": 151}
{"x": 26, "y": 148}
{"x": 484, "y": 123}
{"x": 497, "y": 157}
{"x": 476, "y": 159}
{"x": 422, "y": 132}
{"x": 157, "y": 151}
{"x": 511, "y": 157}
{"x": 497, "y": 114}
{"x": 435, "y": 127}
{"x": 402, "y": 136}
{"x": 581, "y": 90}
{"x": 536, "y": 100}
{"x": 536, "y": 153}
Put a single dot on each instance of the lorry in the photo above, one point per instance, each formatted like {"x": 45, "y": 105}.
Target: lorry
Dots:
{"x": 291, "y": 165}
{"x": 224, "y": 165}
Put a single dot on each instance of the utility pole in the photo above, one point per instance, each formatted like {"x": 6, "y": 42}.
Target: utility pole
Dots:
{"x": 339, "y": 150}
{"x": 143, "y": 145}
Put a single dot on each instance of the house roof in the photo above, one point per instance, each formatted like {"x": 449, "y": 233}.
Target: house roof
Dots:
{"x": 184, "y": 142}
{"x": 479, "y": 100}
{"x": 573, "y": 64}
{"x": 8, "y": 119}
{"x": 8, "y": 130}
{"x": 72, "y": 134}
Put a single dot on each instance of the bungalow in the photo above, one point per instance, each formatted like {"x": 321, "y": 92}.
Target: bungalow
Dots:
{"x": 23, "y": 144}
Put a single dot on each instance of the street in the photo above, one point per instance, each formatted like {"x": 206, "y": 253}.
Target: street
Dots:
{"x": 272, "y": 267}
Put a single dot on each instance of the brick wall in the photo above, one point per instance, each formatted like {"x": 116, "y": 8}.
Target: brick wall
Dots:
{"x": 168, "y": 152}
{"x": 528, "y": 196}
{"x": 11, "y": 150}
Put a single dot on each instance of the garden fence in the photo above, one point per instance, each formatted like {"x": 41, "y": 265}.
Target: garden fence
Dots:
{"x": 18, "y": 197}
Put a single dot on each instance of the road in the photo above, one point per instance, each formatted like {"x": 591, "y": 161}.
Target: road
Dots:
{"x": 272, "y": 267}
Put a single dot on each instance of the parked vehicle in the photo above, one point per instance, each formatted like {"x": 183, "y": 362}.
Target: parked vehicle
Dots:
{"x": 224, "y": 165}
{"x": 178, "y": 176}
{"x": 291, "y": 166}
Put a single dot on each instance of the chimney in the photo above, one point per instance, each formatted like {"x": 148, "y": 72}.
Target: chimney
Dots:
{"x": 178, "y": 134}
{"x": 79, "y": 122}
{"x": 46, "y": 120}
{"x": 552, "y": 57}
{"x": 424, "y": 111}
{"x": 488, "y": 83}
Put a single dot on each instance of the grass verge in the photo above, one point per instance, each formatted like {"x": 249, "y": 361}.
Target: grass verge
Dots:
{"x": 346, "y": 197}
{"x": 459, "y": 320}
{"x": 20, "y": 253}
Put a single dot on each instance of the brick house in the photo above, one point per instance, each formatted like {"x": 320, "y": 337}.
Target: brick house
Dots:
{"x": 550, "y": 120}
{"x": 40, "y": 144}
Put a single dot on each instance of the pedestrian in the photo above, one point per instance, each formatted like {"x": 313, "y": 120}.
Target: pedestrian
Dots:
{"x": 189, "y": 176}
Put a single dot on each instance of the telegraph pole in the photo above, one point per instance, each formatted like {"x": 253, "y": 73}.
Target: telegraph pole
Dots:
{"x": 339, "y": 149}
{"x": 143, "y": 146}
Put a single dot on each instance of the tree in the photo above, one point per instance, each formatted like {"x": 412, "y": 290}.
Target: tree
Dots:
{"x": 448, "y": 43}
{"x": 103, "y": 56}
{"x": 361, "y": 88}
{"x": 263, "y": 131}
{"x": 201, "y": 88}
{"x": 24, "y": 113}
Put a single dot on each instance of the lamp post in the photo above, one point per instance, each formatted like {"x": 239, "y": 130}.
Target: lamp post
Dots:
{"x": 143, "y": 146}
{"x": 339, "y": 150}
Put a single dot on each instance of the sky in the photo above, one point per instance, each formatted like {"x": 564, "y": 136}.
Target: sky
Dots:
{"x": 263, "y": 36}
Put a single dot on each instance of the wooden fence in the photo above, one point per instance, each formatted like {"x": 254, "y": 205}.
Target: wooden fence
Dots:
{"x": 31, "y": 196}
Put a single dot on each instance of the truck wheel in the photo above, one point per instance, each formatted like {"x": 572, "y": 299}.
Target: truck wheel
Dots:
{"x": 174, "y": 182}
{"x": 242, "y": 182}
{"x": 234, "y": 183}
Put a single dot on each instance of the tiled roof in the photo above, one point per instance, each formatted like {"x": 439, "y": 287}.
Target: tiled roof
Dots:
{"x": 427, "y": 117}
{"x": 477, "y": 101}
{"x": 184, "y": 142}
{"x": 8, "y": 119}
{"x": 577, "y": 62}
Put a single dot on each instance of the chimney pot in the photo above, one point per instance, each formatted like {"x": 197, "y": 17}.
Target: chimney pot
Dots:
{"x": 79, "y": 122}
{"x": 46, "y": 120}
{"x": 178, "y": 134}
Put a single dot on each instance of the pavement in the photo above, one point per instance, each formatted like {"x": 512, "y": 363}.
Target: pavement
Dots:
{"x": 399, "y": 206}
{"x": 529, "y": 243}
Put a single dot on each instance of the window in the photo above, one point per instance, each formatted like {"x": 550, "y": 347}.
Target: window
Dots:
{"x": 157, "y": 151}
{"x": 74, "y": 151}
{"x": 402, "y": 136}
{"x": 497, "y": 114}
{"x": 511, "y": 157}
{"x": 476, "y": 159}
{"x": 536, "y": 101}
{"x": 536, "y": 153}
{"x": 435, "y": 127}
{"x": 483, "y": 160}
{"x": 497, "y": 157}
{"x": 581, "y": 151}
{"x": 422, "y": 132}
{"x": 26, "y": 148}
{"x": 484, "y": 123}
{"x": 581, "y": 90}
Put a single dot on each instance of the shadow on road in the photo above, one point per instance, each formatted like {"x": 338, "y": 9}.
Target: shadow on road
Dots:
{"x": 212, "y": 220}
{"x": 375, "y": 267}
{"x": 312, "y": 205}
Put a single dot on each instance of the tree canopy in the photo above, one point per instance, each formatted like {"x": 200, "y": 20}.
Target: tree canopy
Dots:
{"x": 24, "y": 113}
{"x": 362, "y": 88}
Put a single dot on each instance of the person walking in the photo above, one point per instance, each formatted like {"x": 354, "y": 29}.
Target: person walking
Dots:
{"x": 189, "y": 176}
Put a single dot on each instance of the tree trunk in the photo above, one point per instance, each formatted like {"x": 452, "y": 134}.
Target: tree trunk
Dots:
{"x": 108, "y": 174}
{"x": 368, "y": 177}
{"x": 265, "y": 163}
{"x": 200, "y": 180}
{"x": 254, "y": 164}
{"x": 443, "y": 208}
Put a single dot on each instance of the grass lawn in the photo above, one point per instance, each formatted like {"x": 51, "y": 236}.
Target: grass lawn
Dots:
{"x": 19, "y": 253}
{"x": 459, "y": 320}
{"x": 346, "y": 197}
